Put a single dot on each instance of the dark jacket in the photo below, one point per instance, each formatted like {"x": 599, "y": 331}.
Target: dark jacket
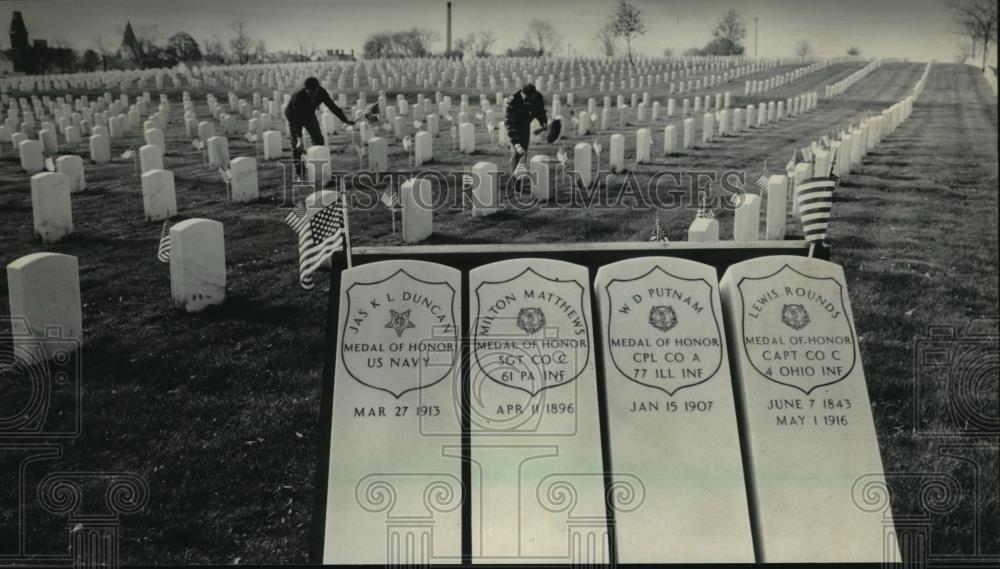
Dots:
{"x": 302, "y": 109}
{"x": 519, "y": 112}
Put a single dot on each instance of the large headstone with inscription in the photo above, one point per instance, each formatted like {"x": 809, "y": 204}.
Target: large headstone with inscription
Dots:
{"x": 806, "y": 419}
{"x": 537, "y": 486}
{"x": 394, "y": 487}
{"x": 678, "y": 490}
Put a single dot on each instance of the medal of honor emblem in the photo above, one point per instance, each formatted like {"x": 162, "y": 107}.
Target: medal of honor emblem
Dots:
{"x": 399, "y": 333}
{"x": 802, "y": 320}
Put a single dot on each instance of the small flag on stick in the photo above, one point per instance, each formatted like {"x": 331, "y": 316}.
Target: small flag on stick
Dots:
{"x": 814, "y": 197}
{"x": 127, "y": 154}
{"x": 198, "y": 144}
{"x": 227, "y": 175}
{"x": 390, "y": 199}
{"x": 762, "y": 183}
{"x": 320, "y": 236}
{"x": 658, "y": 234}
{"x": 163, "y": 251}
{"x": 50, "y": 165}
{"x": 561, "y": 155}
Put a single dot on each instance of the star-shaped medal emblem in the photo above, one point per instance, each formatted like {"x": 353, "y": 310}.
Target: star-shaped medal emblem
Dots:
{"x": 399, "y": 321}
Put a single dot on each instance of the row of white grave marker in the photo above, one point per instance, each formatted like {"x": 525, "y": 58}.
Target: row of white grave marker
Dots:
{"x": 844, "y": 84}
{"x": 44, "y": 288}
{"x": 418, "y": 72}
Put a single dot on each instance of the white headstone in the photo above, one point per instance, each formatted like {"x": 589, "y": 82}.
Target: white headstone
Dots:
{"x": 378, "y": 154}
{"x": 319, "y": 165}
{"x": 746, "y": 219}
{"x": 485, "y": 194}
{"x": 703, "y": 230}
{"x": 674, "y": 443}
{"x": 155, "y": 137}
{"x": 272, "y": 145}
{"x": 71, "y": 166}
{"x": 51, "y": 206}
{"x": 670, "y": 139}
{"x": 218, "y": 152}
{"x": 416, "y": 200}
{"x": 539, "y": 177}
{"x": 582, "y": 163}
{"x": 159, "y": 200}
{"x": 777, "y": 207}
{"x": 44, "y": 291}
{"x": 394, "y": 409}
{"x": 197, "y": 264}
{"x": 244, "y": 181}
{"x": 32, "y": 158}
{"x": 150, "y": 158}
{"x": 535, "y": 437}
{"x": 423, "y": 148}
{"x": 643, "y": 145}
{"x": 616, "y": 159}
{"x": 100, "y": 149}
{"x": 806, "y": 419}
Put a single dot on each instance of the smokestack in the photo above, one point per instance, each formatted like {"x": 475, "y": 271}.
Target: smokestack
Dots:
{"x": 448, "y": 35}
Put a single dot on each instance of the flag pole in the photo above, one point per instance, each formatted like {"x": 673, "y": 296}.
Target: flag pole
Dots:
{"x": 347, "y": 222}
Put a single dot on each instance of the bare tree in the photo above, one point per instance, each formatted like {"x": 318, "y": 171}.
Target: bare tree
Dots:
{"x": 978, "y": 20}
{"x": 541, "y": 37}
{"x": 605, "y": 37}
{"x": 730, "y": 33}
{"x": 104, "y": 50}
{"x": 626, "y": 22}
{"x": 241, "y": 45}
{"x": 463, "y": 46}
{"x": 215, "y": 50}
{"x": 483, "y": 43}
{"x": 804, "y": 49}
{"x": 378, "y": 45}
{"x": 149, "y": 38}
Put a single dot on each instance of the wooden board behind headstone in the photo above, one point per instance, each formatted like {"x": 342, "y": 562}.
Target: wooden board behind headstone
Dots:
{"x": 394, "y": 487}
{"x": 807, "y": 424}
{"x": 537, "y": 485}
{"x": 678, "y": 489}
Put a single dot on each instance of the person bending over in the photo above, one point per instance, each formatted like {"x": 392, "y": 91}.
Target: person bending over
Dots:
{"x": 301, "y": 114}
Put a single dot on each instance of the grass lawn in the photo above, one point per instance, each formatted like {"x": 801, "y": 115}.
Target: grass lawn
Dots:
{"x": 218, "y": 411}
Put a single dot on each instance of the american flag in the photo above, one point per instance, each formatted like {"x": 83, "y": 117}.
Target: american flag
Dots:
{"x": 50, "y": 165}
{"x": 762, "y": 182}
{"x": 596, "y": 146}
{"x": 406, "y": 142}
{"x": 197, "y": 144}
{"x": 658, "y": 234}
{"x": 390, "y": 199}
{"x": 251, "y": 137}
{"x": 467, "y": 181}
{"x": 561, "y": 155}
{"x": 163, "y": 251}
{"x": 227, "y": 175}
{"x": 127, "y": 154}
{"x": 814, "y": 197}
{"x": 320, "y": 236}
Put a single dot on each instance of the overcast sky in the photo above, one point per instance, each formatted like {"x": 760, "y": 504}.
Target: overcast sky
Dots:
{"x": 915, "y": 29}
